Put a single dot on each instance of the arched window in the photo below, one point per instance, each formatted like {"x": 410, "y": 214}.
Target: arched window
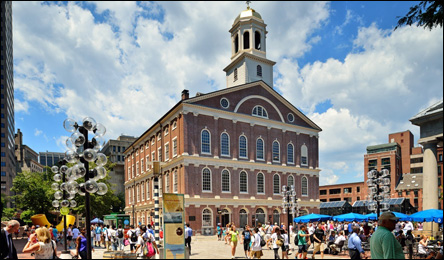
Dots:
{"x": 260, "y": 216}
{"x": 290, "y": 153}
{"x": 276, "y": 216}
{"x": 260, "y": 112}
{"x": 242, "y": 146}
{"x": 225, "y": 144}
{"x": 257, "y": 40}
{"x": 236, "y": 44}
{"x": 246, "y": 40}
{"x": 206, "y": 180}
{"x": 259, "y": 70}
{"x": 259, "y": 149}
{"x": 276, "y": 151}
{"x": 290, "y": 181}
{"x": 167, "y": 183}
{"x": 304, "y": 186}
{"x": 226, "y": 181}
{"x": 243, "y": 182}
{"x": 235, "y": 74}
{"x": 276, "y": 184}
{"x": 147, "y": 190}
{"x": 207, "y": 217}
{"x": 260, "y": 183}
{"x": 205, "y": 142}
{"x": 175, "y": 182}
{"x": 304, "y": 155}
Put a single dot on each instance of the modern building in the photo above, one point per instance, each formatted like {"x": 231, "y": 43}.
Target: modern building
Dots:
{"x": 8, "y": 165}
{"x": 27, "y": 159}
{"x": 50, "y": 158}
{"x": 349, "y": 192}
{"x": 113, "y": 149}
{"x": 229, "y": 151}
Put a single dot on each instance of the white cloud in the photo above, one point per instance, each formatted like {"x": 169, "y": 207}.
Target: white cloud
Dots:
{"x": 37, "y": 132}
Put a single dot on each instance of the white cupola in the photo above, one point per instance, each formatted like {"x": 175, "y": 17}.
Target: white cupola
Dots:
{"x": 249, "y": 62}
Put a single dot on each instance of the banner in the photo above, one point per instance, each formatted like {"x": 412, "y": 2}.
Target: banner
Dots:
{"x": 173, "y": 226}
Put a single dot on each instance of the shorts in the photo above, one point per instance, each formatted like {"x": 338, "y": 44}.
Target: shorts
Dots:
{"x": 246, "y": 244}
{"x": 285, "y": 248}
{"x": 98, "y": 237}
{"x": 319, "y": 247}
{"x": 256, "y": 254}
{"x": 234, "y": 243}
{"x": 302, "y": 249}
{"x": 69, "y": 238}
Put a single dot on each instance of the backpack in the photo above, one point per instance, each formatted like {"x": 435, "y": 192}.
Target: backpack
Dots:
{"x": 119, "y": 233}
{"x": 149, "y": 248}
{"x": 280, "y": 241}
{"x": 296, "y": 239}
{"x": 263, "y": 242}
{"x": 133, "y": 236}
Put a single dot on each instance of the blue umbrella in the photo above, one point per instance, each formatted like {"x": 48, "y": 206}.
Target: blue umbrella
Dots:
{"x": 96, "y": 221}
{"x": 350, "y": 217}
{"x": 427, "y": 215}
{"x": 371, "y": 216}
{"x": 401, "y": 216}
{"x": 312, "y": 217}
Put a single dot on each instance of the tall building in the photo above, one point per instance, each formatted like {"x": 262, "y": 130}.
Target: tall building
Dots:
{"x": 113, "y": 149}
{"x": 27, "y": 159}
{"x": 8, "y": 165}
{"x": 50, "y": 158}
{"x": 229, "y": 151}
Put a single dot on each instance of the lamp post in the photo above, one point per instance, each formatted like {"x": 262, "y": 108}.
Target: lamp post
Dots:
{"x": 80, "y": 152}
{"x": 289, "y": 203}
{"x": 379, "y": 190}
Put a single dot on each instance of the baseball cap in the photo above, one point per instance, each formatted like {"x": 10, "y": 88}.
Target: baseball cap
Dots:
{"x": 388, "y": 215}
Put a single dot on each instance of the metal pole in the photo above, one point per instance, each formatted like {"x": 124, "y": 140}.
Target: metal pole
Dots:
{"x": 134, "y": 201}
{"x": 84, "y": 131}
{"x": 64, "y": 218}
{"x": 288, "y": 215}
{"x": 377, "y": 194}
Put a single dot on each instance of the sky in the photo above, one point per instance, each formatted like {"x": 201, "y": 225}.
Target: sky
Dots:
{"x": 126, "y": 63}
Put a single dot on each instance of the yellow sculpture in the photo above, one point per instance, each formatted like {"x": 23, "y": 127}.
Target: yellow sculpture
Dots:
{"x": 41, "y": 220}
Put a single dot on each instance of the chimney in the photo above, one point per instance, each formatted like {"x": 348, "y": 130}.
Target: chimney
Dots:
{"x": 185, "y": 94}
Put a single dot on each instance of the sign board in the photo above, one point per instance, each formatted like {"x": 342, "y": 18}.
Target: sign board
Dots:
{"x": 173, "y": 226}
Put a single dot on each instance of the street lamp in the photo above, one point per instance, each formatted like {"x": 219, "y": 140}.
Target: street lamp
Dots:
{"x": 379, "y": 190}
{"x": 289, "y": 203}
{"x": 80, "y": 152}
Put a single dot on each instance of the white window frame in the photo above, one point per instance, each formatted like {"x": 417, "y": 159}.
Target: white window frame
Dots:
{"x": 153, "y": 155}
{"x": 279, "y": 151}
{"x": 159, "y": 136}
{"x": 129, "y": 172}
{"x": 209, "y": 142}
{"x": 138, "y": 192}
{"x": 221, "y": 153}
{"x": 292, "y": 153}
{"x": 166, "y": 130}
{"x": 133, "y": 172}
{"x": 153, "y": 140}
{"x": 129, "y": 196}
{"x": 263, "y": 183}
{"x": 302, "y": 186}
{"x": 160, "y": 186}
{"x": 167, "y": 183}
{"x": 174, "y": 124}
{"x": 147, "y": 164}
{"x": 167, "y": 151}
{"x": 175, "y": 182}
{"x": 159, "y": 154}
{"x": 141, "y": 166}
{"x": 210, "y": 214}
{"x": 175, "y": 147}
{"x": 279, "y": 185}
{"x": 246, "y": 182}
{"x": 304, "y": 151}
{"x": 288, "y": 182}
{"x": 246, "y": 147}
{"x": 263, "y": 149}
{"x": 147, "y": 189}
{"x": 142, "y": 189}
{"x": 211, "y": 180}
{"x": 261, "y": 115}
{"x": 222, "y": 182}
{"x": 137, "y": 168}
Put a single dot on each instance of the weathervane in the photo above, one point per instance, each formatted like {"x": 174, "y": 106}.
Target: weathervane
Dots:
{"x": 248, "y": 4}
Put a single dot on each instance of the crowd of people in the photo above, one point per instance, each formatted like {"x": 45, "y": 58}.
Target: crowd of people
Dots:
{"x": 390, "y": 238}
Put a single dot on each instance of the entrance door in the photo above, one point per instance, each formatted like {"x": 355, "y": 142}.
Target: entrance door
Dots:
{"x": 225, "y": 217}
{"x": 243, "y": 218}
{"x": 276, "y": 217}
{"x": 260, "y": 216}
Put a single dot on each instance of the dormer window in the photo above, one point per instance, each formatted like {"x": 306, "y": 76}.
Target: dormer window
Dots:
{"x": 259, "y": 70}
{"x": 260, "y": 112}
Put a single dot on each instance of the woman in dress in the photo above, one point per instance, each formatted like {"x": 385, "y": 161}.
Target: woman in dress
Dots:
{"x": 40, "y": 244}
{"x": 234, "y": 235}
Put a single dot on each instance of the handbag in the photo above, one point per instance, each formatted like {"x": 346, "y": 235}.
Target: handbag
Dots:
{"x": 149, "y": 249}
{"x": 54, "y": 255}
{"x": 126, "y": 242}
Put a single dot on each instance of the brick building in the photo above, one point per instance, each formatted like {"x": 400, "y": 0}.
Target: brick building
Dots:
{"x": 229, "y": 151}
{"x": 349, "y": 192}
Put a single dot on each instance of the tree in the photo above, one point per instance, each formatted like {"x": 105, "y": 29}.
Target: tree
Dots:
{"x": 431, "y": 17}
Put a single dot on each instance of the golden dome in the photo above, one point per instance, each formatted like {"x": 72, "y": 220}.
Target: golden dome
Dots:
{"x": 248, "y": 13}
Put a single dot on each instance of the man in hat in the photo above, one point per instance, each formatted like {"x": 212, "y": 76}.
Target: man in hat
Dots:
{"x": 383, "y": 244}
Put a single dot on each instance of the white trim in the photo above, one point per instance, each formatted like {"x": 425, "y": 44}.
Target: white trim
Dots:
{"x": 263, "y": 149}
{"x": 229, "y": 144}
{"x": 211, "y": 217}
{"x": 220, "y": 102}
{"x": 302, "y": 154}
{"x": 302, "y": 183}
{"x": 294, "y": 184}
{"x": 263, "y": 109}
{"x": 279, "y": 152}
{"x": 263, "y": 98}
{"x": 279, "y": 192}
{"x": 222, "y": 183}
{"x": 288, "y": 162}
{"x": 165, "y": 150}
{"x": 211, "y": 181}
{"x": 209, "y": 141}
{"x": 175, "y": 152}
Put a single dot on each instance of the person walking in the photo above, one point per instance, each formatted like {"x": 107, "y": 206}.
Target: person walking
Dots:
{"x": 256, "y": 248}
{"x": 234, "y": 235}
{"x": 218, "y": 230}
{"x": 144, "y": 238}
{"x": 7, "y": 248}
{"x": 41, "y": 244}
{"x": 301, "y": 242}
{"x": 277, "y": 242}
{"x": 319, "y": 241}
{"x": 81, "y": 244}
{"x": 246, "y": 238}
{"x": 286, "y": 246}
{"x": 75, "y": 233}
{"x": 188, "y": 235}
{"x": 132, "y": 237}
{"x": 120, "y": 237}
{"x": 354, "y": 245}
{"x": 69, "y": 236}
{"x": 383, "y": 244}
{"x": 98, "y": 232}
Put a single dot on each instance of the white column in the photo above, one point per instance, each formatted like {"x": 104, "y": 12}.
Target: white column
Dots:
{"x": 430, "y": 186}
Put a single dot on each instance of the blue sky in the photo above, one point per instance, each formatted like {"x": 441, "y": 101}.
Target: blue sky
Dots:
{"x": 126, "y": 63}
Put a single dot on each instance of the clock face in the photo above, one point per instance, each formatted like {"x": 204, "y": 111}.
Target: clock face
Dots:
{"x": 290, "y": 117}
{"x": 224, "y": 103}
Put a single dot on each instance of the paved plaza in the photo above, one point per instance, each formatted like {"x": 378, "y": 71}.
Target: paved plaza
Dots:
{"x": 203, "y": 247}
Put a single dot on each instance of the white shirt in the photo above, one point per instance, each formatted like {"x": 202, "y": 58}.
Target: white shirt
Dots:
{"x": 256, "y": 242}
{"x": 339, "y": 239}
{"x": 75, "y": 233}
{"x": 274, "y": 239}
{"x": 129, "y": 233}
{"x": 311, "y": 230}
{"x": 45, "y": 251}
{"x": 147, "y": 236}
{"x": 409, "y": 226}
{"x": 69, "y": 232}
{"x": 285, "y": 236}
{"x": 7, "y": 234}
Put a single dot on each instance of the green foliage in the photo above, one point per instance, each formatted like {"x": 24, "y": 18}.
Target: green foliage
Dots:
{"x": 8, "y": 214}
{"x": 26, "y": 215}
{"x": 427, "y": 16}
